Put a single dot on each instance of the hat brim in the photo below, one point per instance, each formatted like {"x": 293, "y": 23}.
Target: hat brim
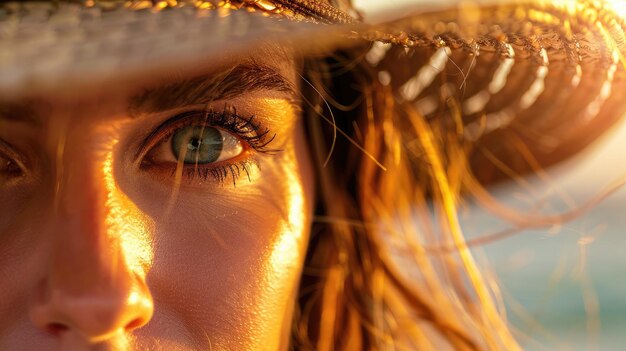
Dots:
{"x": 76, "y": 51}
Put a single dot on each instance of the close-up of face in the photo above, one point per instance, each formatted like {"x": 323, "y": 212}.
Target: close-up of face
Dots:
{"x": 174, "y": 218}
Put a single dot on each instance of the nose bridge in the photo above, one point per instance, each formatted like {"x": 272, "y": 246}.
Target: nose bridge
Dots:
{"x": 81, "y": 226}
{"x": 94, "y": 221}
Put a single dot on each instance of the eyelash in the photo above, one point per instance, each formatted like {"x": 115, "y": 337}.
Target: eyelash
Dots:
{"x": 249, "y": 130}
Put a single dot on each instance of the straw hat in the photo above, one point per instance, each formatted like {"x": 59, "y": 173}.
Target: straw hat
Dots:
{"x": 546, "y": 74}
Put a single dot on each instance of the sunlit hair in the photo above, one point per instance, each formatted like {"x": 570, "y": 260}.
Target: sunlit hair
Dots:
{"x": 388, "y": 266}
{"x": 388, "y": 188}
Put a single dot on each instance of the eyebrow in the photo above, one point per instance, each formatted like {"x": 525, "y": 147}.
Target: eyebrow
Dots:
{"x": 22, "y": 111}
{"x": 230, "y": 83}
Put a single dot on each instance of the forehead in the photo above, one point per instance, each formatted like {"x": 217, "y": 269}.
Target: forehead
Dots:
{"x": 270, "y": 69}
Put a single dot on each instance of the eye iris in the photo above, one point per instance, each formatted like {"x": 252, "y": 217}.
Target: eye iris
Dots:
{"x": 197, "y": 144}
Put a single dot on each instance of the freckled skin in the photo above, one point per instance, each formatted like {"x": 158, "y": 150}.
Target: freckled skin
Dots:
{"x": 99, "y": 253}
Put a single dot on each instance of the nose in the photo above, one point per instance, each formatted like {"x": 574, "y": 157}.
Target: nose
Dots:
{"x": 94, "y": 314}
{"x": 92, "y": 287}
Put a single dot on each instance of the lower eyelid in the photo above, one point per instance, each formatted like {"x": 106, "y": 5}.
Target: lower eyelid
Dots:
{"x": 221, "y": 172}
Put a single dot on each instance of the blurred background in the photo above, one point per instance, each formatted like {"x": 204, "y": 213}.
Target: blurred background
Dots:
{"x": 564, "y": 286}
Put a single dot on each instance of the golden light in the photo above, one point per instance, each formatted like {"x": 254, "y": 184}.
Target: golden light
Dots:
{"x": 286, "y": 247}
{"x": 124, "y": 221}
{"x": 619, "y": 6}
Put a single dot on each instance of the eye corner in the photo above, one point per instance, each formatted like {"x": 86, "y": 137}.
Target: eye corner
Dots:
{"x": 11, "y": 172}
{"x": 12, "y": 166}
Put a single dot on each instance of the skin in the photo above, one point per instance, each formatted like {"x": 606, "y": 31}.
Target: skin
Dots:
{"x": 100, "y": 252}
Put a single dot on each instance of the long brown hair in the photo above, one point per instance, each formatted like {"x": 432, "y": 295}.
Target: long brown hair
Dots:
{"x": 388, "y": 266}
{"x": 369, "y": 283}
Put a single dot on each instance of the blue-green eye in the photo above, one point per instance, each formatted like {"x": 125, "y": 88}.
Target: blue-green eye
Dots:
{"x": 204, "y": 144}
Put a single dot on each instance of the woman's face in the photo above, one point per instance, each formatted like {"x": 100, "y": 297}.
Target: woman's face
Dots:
{"x": 172, "y": 218}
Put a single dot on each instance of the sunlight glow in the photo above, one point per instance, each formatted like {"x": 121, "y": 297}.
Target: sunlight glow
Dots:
{"x": 123, "y": 221}
{"x": 286, "y": 248}
{"x": 619, "y": 6}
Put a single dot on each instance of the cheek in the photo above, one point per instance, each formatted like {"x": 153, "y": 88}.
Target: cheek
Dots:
{"x": 227, "y": 261}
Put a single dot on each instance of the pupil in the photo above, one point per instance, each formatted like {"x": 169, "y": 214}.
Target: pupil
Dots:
{"x": 195, "y": 144}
